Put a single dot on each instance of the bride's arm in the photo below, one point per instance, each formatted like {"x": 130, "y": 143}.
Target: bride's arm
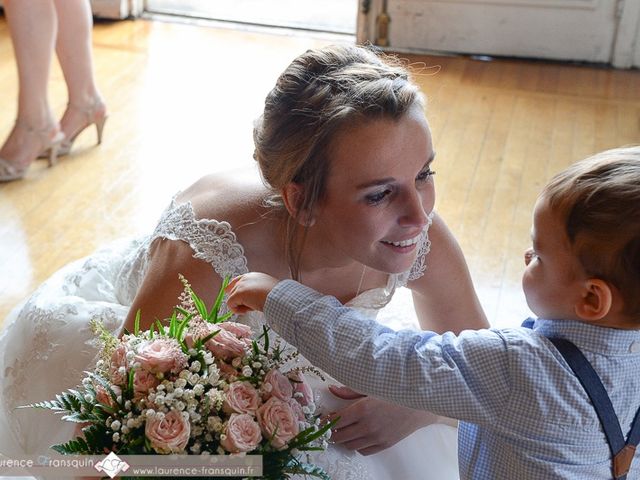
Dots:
{"x": 159, "y": 291}
{"x": 444, "y": 297}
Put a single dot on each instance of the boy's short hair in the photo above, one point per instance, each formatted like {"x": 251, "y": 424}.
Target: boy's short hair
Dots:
{"x": 598, "y": 199}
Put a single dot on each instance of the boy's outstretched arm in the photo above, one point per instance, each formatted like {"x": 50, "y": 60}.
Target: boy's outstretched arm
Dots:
{"x": 465, "y": 377}
{"x": 249, "y": 292}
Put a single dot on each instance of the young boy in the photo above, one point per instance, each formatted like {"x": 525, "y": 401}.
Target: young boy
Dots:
{"x": 524, "y": 413}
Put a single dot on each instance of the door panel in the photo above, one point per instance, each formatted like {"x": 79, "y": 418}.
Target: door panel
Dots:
{"x": 554, "y": 29}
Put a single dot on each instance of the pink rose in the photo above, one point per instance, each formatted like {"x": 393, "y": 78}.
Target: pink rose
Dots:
{"x": 169, "y": 435}
{"x": 278, "y": 422}
{"x": 242, "y": 434}
{"x": 238, "y": 329}
{"x": 161, "y": 355}
{"x": 118, "y": 360}
{"x": 301, "y": 390}
{"x": 104, "y": 397}
{"x": 277, "y": 385}
{"x": 241, "y": 397}
{"x": 226, "y": 345}
{"x": 143, "y": 381}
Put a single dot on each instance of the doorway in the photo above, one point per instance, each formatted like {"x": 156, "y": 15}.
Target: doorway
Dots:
{"x": 335, "y": 16}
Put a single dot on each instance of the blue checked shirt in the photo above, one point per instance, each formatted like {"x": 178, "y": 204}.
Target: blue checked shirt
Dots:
{"x": 524, "y": 415}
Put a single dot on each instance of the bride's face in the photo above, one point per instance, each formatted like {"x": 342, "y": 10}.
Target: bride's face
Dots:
{"x": 379, "y": 192}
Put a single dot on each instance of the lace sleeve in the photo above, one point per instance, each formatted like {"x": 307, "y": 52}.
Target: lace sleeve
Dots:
{"x": 420, "y": 265}
{"x": 211, "y": 240}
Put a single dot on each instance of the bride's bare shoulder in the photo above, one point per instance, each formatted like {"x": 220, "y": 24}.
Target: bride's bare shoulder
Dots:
{"x": 236, "y": 197}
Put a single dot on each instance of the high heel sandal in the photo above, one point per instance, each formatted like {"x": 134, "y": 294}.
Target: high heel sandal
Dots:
{"x": 96, "y": 114}
{"x": 50, "y": 143}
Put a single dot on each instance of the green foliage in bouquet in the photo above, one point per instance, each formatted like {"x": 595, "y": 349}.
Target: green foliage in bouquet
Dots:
{"x": 196, "y": 383}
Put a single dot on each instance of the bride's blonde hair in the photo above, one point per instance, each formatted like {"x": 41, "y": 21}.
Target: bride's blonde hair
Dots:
{"x": 320, "y": 92}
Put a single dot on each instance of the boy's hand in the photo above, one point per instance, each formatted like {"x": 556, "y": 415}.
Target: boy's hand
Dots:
{"x": 249, "y": 292}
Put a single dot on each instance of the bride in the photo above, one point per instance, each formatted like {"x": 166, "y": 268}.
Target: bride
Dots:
{"x": 345, "y": 206}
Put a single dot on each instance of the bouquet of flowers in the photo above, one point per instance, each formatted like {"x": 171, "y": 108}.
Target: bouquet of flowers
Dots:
{"x": 197, "y": 384}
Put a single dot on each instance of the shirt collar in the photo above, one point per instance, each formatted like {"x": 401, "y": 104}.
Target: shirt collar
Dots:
{"x": 607, "y": 341}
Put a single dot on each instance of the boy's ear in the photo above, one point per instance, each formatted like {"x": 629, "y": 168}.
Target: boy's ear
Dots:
{"x": 596, "y": 300}
{"x": 292, "y": 196}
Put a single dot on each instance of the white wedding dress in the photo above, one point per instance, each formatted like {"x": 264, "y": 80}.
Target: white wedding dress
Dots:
{"x": 47, "y": 344}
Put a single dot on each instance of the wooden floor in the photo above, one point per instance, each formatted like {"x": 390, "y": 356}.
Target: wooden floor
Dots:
{"x": 182, "y": 100}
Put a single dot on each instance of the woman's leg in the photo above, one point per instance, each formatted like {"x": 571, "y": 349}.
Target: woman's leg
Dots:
{"x": 74, "y": 50}
{"x": 32, "y": 26}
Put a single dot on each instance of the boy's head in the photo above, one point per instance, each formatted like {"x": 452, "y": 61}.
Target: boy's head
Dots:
{"x": 587, "y": 231}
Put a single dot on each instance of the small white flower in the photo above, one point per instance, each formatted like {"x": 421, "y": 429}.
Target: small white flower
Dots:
{"x": 150, "y": 413}
{"x": 214, "y": 424}
{"x": 178, "y": 392}
{"x": 195, "y": 366}
{"x": 194, "y": 378}
{"x": 127, "y": 405}
{"x": 182, "y": 381}
{"x": 124, "y": 430}
{"x": 180, "y": 406}
{"x": 246, "y": 371}
{"x": 198, "y": 389}
{"x": 236, "y": 362}
{"x": 115, "y": 425}
{"x": 116, "y": 437}
{"x": 256, "y": 365}
{"x": 88, "y": 397}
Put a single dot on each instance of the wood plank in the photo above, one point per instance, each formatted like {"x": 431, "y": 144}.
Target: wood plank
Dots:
{"x": 501, "y": 129}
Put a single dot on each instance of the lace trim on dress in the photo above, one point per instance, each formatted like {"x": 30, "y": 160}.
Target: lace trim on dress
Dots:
{"x": 420, "y": 264}
{"x": 211, "y": 240}
{"x": 214, "y": 242}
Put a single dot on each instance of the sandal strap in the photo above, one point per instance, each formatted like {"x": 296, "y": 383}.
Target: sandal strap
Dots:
{"x": 8, "y": 170}
{"x": 47, "y": 135}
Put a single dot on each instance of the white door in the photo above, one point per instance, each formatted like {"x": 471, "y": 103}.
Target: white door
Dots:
{"x": 587, "y": 30}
